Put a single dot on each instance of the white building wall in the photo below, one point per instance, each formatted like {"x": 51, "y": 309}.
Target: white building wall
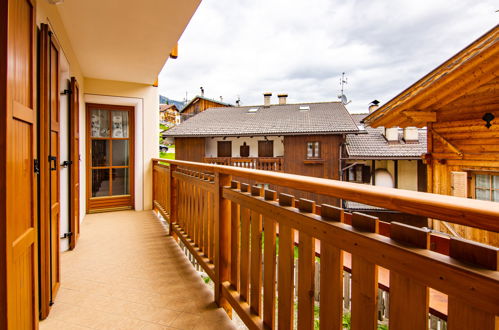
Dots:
{"x": 237, "y": 142}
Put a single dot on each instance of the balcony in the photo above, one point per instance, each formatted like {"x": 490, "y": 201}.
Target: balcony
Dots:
{"x": 261, "y": 249}
{"x": 259, "y": 163}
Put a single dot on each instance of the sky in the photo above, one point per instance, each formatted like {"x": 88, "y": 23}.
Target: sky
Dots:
{"x": 241, "y": 49}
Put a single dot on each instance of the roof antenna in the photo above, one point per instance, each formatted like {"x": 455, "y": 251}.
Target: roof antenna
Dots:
{"x": 342, "y": 96}
{"x": 202, "y": 91}
{"x": 238, "y": 101}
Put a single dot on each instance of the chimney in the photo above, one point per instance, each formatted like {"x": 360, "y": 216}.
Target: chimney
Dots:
{"x": 373, "y": 106}
{"x": 392, "y": 134}
{"x": 282, "y": 98}
{"x": 266, "y": 99}
{"x": 202, "y": 91}
{"x": 411, "y": 135}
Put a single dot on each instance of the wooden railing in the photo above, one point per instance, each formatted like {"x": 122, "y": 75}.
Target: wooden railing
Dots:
{"x": 259, "y": 163}
{"x": 245, "y": 237}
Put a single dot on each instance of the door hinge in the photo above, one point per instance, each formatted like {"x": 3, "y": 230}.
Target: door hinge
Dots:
{"x": 36, "y": 166}
{"x": 66, "y": 235}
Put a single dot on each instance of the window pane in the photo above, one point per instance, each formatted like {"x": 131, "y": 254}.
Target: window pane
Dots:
{"x": 120, "y": 153}
{"x": 120, "y": 181}
{"x": 99, "y": 123}
{"x": 120, "y": 124}
{"x": 482, "y": 181}
{"x": 495, "y": 196}
{"x": 495, "y": 181}
{"x": 316, "y": 149}
{"x": 100, "y": 182}
{"x": 310, "y": 150}
{"x": 100, "y": 152}
{"x": 483, "y": 194}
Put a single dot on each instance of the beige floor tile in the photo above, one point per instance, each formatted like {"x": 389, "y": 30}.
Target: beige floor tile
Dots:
{"x": 125, "y": 273}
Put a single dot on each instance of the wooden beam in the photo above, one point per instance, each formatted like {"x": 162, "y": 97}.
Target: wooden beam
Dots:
{"x": 420, "y": 115}
{"x": 447, "y": 143}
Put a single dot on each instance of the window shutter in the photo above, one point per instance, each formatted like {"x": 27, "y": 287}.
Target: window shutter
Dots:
{"x": 458, "y": 181}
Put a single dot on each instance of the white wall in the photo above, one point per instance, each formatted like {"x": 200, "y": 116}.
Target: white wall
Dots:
{"x": 252, "y": 142}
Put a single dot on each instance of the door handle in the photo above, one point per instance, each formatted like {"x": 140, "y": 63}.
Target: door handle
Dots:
{"x": 53, "y": 159}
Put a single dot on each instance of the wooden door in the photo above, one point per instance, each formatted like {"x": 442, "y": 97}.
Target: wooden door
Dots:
{"x": 74, "y": 167}
{"x": 265, "y": 148}
{"x": 110, "y": 157}
{"x": 18, "y": 182}
{"x": 49, "y": 141}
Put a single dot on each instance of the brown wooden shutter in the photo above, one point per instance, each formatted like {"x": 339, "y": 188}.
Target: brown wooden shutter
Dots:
{"x": 458, "y": 181}
{"x": 224, "y": 149}
{"x": 265, "y": 148}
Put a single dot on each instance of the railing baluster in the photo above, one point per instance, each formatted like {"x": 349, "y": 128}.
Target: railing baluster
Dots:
{"x": 256, "y": 257}
{"x": 285, "y": 282}
{"x": 245, "y": 249}
{"x": 306, "y": 272}
{"x": 222, "y": 240}
{"x": 331, "y": 279}
{"x": 269, "y": 265}
{"x": 409, "y": 300}
{"x": 364, "y": 280}
{"x": 235, "y": 240}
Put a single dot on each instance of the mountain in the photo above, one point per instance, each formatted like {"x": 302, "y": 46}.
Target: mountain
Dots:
{"x": 164, "y": 100}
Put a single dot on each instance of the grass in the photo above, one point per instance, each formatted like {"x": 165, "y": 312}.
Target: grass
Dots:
{"x": 166, "y": 155}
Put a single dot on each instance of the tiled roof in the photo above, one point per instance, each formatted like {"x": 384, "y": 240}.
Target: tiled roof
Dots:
{"x": 286, "y": 119}
{"x": 374, "y": 145}
{"x": 164, "y": 107}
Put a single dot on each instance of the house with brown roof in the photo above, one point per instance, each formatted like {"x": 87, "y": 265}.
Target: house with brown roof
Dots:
{"x": 303, "y": 138}
{"x": 199, "y": 104}
{"x": 388, "y": 158}
{"x": 458, "y": 102}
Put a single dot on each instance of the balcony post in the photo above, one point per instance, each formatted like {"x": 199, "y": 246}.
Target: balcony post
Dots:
{"x": 222, "y": 240}
{"x": 172, "y": 191}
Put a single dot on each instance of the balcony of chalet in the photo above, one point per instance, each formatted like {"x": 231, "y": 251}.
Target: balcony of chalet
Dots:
{"x": 277, "y": 261}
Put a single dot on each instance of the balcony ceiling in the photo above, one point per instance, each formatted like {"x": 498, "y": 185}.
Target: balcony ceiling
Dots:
{"x": 125, "y": 40}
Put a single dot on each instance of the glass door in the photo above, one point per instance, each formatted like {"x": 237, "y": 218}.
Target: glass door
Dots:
{"x": 110, "y": 157}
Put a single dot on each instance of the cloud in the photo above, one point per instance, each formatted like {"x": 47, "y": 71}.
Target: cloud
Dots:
{"x": 244, "y": 48}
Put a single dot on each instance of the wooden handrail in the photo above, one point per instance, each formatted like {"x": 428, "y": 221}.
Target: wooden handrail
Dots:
{"x": 473, "y": 213}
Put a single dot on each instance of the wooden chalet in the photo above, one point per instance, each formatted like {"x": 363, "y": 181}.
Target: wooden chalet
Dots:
{"x": 458, "y": 102}
{"x": 199, "y": 104}
{"x": 169, "y": 114}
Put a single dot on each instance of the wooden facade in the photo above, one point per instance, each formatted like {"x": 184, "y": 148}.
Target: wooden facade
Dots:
{"x": 200, "y": 104}
{"x": 191, "y": 149}
{"x": 458, "y": 102}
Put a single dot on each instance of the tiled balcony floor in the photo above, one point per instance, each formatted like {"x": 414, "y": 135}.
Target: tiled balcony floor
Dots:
{"x": 125, "y": 273}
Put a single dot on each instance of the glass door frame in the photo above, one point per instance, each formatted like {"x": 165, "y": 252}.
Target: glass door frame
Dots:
{"x": 110, "y": 203}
